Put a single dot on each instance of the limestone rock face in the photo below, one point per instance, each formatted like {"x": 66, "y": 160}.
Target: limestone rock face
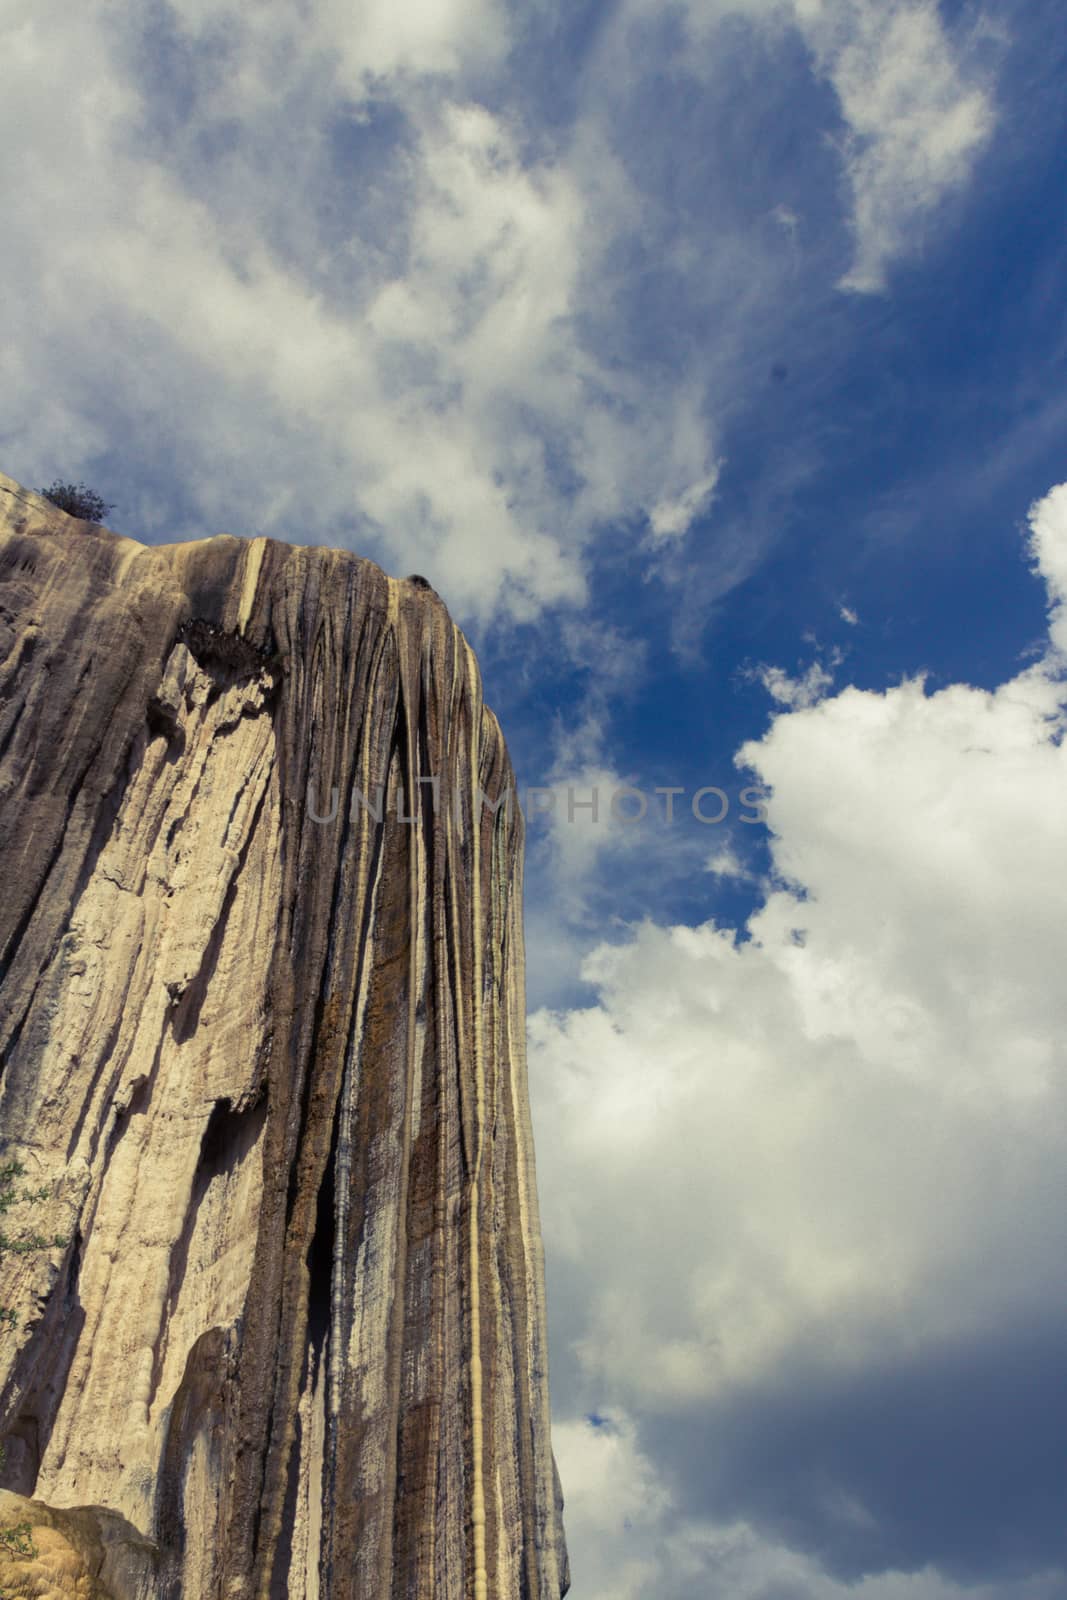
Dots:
{"x": 263, "y": 1060}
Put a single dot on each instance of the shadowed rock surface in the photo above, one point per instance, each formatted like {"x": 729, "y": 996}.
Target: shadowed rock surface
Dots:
{"x": 271, "y": 1070}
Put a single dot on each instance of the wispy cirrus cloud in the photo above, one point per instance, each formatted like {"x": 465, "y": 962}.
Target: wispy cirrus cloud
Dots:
{"x": 916, "y": 109}
{"x": 1048, "y": 547}
{"x": 916, "y": 119}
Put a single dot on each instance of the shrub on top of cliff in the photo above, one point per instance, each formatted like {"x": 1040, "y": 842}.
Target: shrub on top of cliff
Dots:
{"x": 78, "y": 501}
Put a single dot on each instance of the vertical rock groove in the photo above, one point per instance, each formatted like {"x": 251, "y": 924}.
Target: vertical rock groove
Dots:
{"x": 263, "y": 1024}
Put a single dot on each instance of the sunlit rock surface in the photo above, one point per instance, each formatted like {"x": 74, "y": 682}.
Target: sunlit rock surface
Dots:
{"x": 271, "y": 1070}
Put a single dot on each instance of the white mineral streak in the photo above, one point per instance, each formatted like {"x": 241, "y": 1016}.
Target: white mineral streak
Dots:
{"x": 477, "y": 1415}
{"x": 365, "y": 892}
{"x": 253, "y": 564}
{"x": 506, "y": 1484}
{"x": 307, "y": 1527}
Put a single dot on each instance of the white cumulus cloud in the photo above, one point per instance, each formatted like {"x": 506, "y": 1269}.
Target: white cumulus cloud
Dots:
{"x": 1048, "y": 546}
{"x": 841, "y": 1139}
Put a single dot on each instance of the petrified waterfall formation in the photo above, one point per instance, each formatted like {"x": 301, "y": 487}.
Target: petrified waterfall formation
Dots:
{"x": 268, "y": 1073}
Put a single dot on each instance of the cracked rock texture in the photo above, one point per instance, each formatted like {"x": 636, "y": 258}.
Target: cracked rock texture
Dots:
{"x": 271, "y": 1072}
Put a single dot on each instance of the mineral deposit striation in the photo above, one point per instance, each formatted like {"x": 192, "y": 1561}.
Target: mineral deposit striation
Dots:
{"x": 266, "y": 1075}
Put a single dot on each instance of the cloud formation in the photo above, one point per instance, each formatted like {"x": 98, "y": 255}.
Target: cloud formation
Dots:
{"x": 915, "y": 122}
{"x": 1048, "y": 547}
{"x": 630, "y": 1536}
{"x": 800, "y": 1185}
{"x": 268, "y": 272}
{"x": 410, "y": 376}
{"x": 915, "y": 114}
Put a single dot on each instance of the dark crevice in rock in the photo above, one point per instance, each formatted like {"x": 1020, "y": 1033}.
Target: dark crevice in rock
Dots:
{"x": 202, "y": 1411}
{"x": 45, "y": 1378}
{"x": 283, "y": 1551}
{"x": 8, "y": 1053}
{"x": 229, "y": 1136}
{"x": 19, "y": 930}
{"x": 107, "y": 812}
{"x": 340, "y": 1174}
{"x": 12, "y": 727}
{"x": 73, "y": 1268}
{"x": 163, "y": 721}
{"x": 186, "y": 1014}
{"x": 325, "y": 1291}
{"x": 325, "y": 1023}
{"x": 320, "y": 1267}
{"x": 22, "y": 1452}
{"x": 327, "y": 966}
{"x": 454, "y": 977}
{"x": 19, "y": 556}
{"x": 140, "y": 1095}
{"x": 174, "y": 752}
{"x": 87, "y": 1099}
{"x": 239, "y": 794}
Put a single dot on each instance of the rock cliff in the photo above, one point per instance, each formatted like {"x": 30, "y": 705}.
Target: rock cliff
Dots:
{"x": 262, "y": 1044}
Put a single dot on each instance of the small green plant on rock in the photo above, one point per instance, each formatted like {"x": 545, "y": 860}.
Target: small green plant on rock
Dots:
{"x": 17, "y": 1541}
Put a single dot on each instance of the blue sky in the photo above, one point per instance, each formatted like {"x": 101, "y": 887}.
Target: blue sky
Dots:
{"x": 709, "y": 358}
